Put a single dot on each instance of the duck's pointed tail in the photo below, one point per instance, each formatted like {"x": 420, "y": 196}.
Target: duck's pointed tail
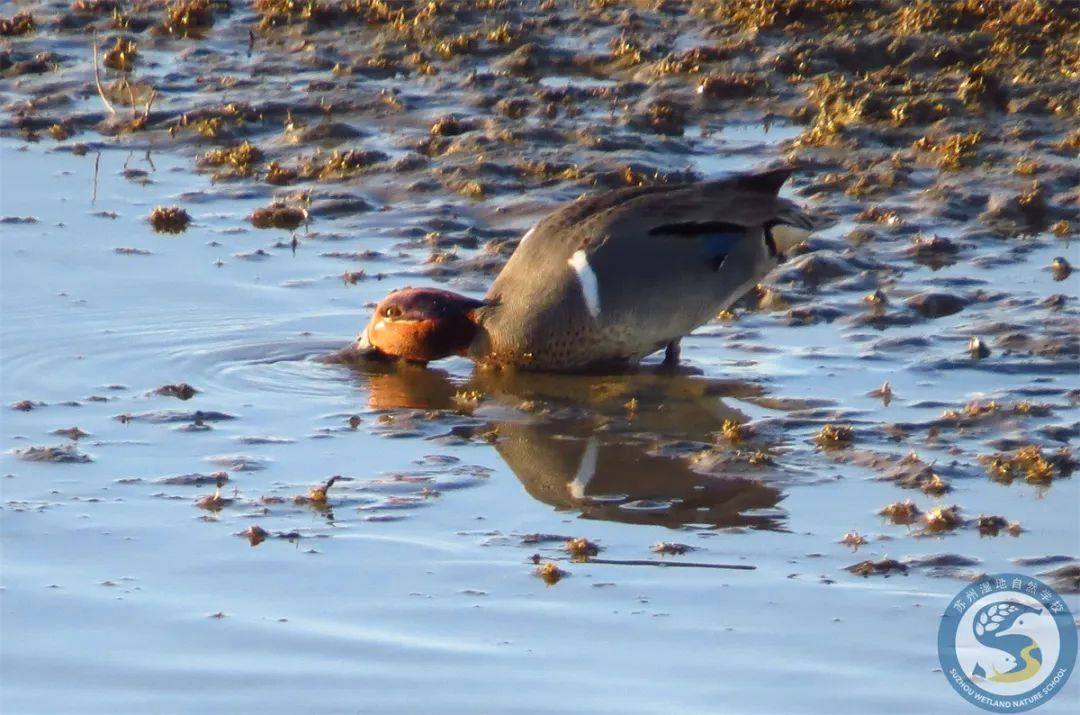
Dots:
{"x": 791, "y": 226}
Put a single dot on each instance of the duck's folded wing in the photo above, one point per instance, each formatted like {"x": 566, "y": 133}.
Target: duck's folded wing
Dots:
{"x": 671, "y": 249}
{"x": 706, "y": 208}
{"x": 708, "y": 219}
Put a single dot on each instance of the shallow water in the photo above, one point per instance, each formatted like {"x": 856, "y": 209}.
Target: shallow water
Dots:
{"x": 111, "y": 579}
{"x": 413, "y": 587}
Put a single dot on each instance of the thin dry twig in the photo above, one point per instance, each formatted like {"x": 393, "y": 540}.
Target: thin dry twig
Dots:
{"x": 94, "y": 181}
{"x": 150, "y": 102}
{"x": 97, "y": 77}
{"x": 672, "y": 564}
{"x": 131, "y": 98}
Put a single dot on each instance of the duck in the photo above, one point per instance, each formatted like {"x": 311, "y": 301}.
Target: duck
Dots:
{"x": 603, "y": 281}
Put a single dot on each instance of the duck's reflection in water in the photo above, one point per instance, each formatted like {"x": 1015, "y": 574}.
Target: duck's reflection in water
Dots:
{"x": 636, "y": 448}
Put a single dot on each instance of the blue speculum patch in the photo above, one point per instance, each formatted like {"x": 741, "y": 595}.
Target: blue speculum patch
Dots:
{"x": 717, "y": 238}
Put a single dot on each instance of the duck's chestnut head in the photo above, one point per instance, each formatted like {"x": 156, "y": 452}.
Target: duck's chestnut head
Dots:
{"x": 420, "y": 325}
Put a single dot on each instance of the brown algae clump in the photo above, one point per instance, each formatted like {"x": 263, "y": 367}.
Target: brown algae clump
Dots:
{"x": 21, "y": 23}
{"x": 1030, "y": 463}
{"x": 671, "y": 548}
{"x": 979, "y": 412}
{"x": 1042, "y": 470}
{"x": 550, "y": 573}
{"x": 169, "y": 219}
{"x": 935, "y": 485}
{"x": 60, "y": 131}
{"x": 884, "y": 567}
{"x": 279, "y": 175}
{"x": 317, "y": 494}
{"x": 994, "y": 525}
{"x": 883, "y": 393}
{"x": 342, "y": 164}
{"x": 665, "y": 117}
{"x": 942, "y": 519}
{"x": 736, "y": 433}
{"x": 468, "y": 399}
{"x": 239, "y": 160}
{"x": 122, "y": 55}
{"x": 834, "y": 436}
{"x": 449, "y": 126}
{"x": 255, "y": 534}
{"x": 952, "y": 152}
{"x": 278, "y": 215}
{"x": 981, "y": 89}
{"x": 977, "y": 348}
{"x": 96, "y": 7}
{"x": 188, "y": 18}
{"x": 580, "y": 548}
{"x": 796, "y": 14}
{"x": 276, "y": 13}
{"x": 213, "y": 502}
{"x": 902, "y": 513}
{"x": 877, "y": 214}
{"x": 180, "y": 390}
{"x": 759, "y": 458}
{"x": 72, "y": 433}
{"x": 853, "y": 539}
{"x": 731, "y": 85}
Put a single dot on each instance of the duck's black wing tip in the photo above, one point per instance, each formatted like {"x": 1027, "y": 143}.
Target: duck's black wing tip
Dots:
{"x": 766, "y": 182}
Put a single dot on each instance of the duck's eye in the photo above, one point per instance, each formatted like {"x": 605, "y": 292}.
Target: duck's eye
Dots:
{"x": 392, "y": 312}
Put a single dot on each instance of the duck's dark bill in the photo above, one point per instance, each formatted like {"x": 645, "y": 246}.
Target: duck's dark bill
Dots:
{"x": 360, "y": 350}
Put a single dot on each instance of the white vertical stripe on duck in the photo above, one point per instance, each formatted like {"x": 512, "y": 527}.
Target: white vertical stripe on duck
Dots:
{"x": 590, "y": 289}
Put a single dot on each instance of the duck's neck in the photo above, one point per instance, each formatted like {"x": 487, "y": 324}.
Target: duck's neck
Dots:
{"x": 478, "y": 346}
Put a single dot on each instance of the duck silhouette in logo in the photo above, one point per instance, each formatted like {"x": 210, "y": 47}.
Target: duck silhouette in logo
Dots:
{"x": 1010, "y": 653}
{"x": 574, "y": 443}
